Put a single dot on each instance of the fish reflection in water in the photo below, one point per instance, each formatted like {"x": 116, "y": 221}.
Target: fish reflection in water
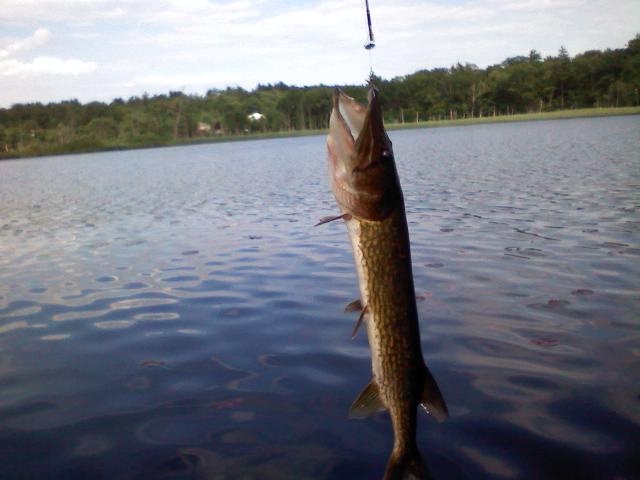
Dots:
{"x": 365, "y": 183}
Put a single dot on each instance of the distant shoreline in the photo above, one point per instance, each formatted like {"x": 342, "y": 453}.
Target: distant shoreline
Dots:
{"x": 523, "y": 117}
{"x": 520, "y": 117}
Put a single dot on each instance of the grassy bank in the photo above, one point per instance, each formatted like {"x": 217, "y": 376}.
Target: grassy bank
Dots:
{"x": 70, "y": 149}
{"x": 522, "y": 117}
{"x": 43, "y": 150}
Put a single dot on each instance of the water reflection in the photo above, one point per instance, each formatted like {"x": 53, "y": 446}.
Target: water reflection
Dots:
{"x": 526, "y": 377}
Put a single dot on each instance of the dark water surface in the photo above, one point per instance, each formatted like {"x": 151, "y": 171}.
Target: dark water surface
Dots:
{"x": 172, "y": 313}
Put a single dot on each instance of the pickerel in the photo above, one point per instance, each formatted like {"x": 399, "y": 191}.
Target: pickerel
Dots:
{"x": 365, "y": 183}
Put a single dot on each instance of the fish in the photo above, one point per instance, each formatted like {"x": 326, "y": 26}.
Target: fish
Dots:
{"x": 365, "y": 183}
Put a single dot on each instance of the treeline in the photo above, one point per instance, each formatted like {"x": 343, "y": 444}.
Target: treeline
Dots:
{"x": 522, "y": 84}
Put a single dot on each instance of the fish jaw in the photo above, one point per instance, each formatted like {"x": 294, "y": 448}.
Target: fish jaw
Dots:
{"x": 362, "y": 169}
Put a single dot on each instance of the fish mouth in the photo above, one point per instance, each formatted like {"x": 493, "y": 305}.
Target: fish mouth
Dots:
{"x": 361, "y": 165}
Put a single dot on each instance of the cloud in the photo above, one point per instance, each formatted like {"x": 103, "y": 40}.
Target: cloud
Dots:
{"x": 39, "y": 37}
{"x": 75, "y": 12}
{"x": 95, "y": 12}
{"x": 184, "y": 80}
{"x": 40, "y": 65}
{"x": 155, "y": 45}
{"x": 45, "y": 66}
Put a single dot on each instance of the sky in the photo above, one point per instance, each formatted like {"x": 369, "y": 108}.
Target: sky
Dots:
{"x": 53, "y": 50}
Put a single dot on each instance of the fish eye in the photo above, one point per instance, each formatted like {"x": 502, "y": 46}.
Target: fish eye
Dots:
{"x": 385, "y": 157}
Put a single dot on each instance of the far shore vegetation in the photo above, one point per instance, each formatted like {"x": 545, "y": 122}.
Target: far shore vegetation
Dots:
{"x": 593, "y": 83}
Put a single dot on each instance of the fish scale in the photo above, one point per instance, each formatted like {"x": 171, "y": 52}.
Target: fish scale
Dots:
{"x": 365, "y": 183}
{"x": 392, "y": 326}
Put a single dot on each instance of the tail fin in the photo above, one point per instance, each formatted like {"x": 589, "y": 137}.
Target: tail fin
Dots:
{"x": 409, "y": 466}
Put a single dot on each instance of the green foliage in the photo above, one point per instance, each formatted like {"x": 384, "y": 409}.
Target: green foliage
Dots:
{"x": 519, "y": 85}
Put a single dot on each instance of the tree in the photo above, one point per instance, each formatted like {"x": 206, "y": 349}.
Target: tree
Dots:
{"x": 520, "y": 83}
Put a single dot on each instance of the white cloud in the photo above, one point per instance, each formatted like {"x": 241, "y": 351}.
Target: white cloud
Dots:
{"x": 184, "y": 80}
{"x": 156, "y": 45}
{"x": 46, "y": 66}
{"x": 40, "y": 65}
{"x": 75, "y": 12}
{"x": 93, "y": 12}
{"x": 39, "y": 37}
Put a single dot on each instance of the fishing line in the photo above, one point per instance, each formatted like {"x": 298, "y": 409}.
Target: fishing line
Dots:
{"x": 371, "y": 43}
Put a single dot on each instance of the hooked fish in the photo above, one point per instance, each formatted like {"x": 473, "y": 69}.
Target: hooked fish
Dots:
{"x": 365, "y": 183}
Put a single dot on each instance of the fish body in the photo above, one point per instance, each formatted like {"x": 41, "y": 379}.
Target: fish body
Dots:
{"x": 365, "y": 183}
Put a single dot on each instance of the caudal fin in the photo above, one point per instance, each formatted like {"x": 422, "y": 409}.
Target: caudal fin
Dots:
{"x": 409, "y": 466}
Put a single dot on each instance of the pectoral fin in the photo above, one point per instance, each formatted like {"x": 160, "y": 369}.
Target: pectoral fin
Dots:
{"x": 359, "y": 322}
{"x": 431, "y": 399}
{"x": 331, "y": 218}
{"x": 354, "y": 306}
{"x": 368, "y": 402}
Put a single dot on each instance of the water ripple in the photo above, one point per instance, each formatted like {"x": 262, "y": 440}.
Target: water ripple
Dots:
{"x": 179, "y": 303}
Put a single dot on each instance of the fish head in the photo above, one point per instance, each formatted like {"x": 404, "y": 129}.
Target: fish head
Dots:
{"x": 362, "y": 168}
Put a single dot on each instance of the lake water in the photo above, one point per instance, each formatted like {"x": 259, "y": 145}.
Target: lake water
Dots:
{"x": 172, "y": 313}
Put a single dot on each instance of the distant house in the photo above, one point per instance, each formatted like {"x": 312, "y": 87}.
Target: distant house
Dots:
{"x": 203, "y": 128}
{"x": 255, "y": 117}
